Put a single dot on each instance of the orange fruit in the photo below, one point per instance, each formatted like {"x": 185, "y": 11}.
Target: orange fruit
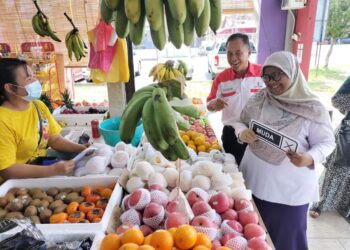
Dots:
{"x": 129, "y": 246}
{"x": 223, "y": 248}
{"x": 190, "y": 142}
{"x": 207, "y": 145}
{"x": 185, "y": 138}
{"x": 185, "y": 237}
{"x": 133, "y": 235}
{"x": 110, "y": 242}
{"x": 148, "y": 240}
{"x": 199, "y": 141}
{"x": 215, "y": 146}
{"x": 192, "y": 146}
{"x": 162, "y": 240}
{"x": 201, "y": 148}
{"x": 200, "y": 247}
{"x": 182, "y": 132}
{"x": 203, "y": 240}
{"x": 172, "y": 231}
{"x": 145, "y": 247}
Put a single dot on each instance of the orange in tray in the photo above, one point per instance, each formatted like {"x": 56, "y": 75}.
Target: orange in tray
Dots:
{"x": 129, "y": 246}
{"x": 185, "y": 138}
{"x": 110, "y": 242}
{"x": 133, "y": 235}
{"x": 185, "y": 237}
{"x": 201, "y": 148}
{"x": 199, "y": 140}
{"x": 203, "y": 240}
{"x": 162, "y": 240}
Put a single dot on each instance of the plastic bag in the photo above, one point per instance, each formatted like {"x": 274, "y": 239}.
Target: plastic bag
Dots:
{"x": 119, "y": 70}
{"x": 84, "y": 244}
{"x": 103, "y": 32}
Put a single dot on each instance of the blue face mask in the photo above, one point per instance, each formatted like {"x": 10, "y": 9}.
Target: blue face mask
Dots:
{"x": 34, "y": 91}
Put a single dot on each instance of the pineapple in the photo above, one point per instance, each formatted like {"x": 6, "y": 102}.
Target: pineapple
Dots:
{"x": 67, "y": 100}
{"x": 47, "y": 100}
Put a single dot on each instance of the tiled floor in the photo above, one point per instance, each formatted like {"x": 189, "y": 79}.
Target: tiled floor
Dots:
{"x": 329, "y": 232}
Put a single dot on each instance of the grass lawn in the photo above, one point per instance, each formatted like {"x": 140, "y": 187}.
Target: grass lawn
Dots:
{"x": 328, "y": 81}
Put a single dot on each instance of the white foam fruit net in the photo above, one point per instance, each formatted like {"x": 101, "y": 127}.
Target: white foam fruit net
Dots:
{"x": 131, "y": 216}
{"x": 237, "y": 243}
{"x": 159, "y": 197}
{"x": 155, "y": 221}
{"x": 210, "y": 232}
{"x": 144, "y": 200}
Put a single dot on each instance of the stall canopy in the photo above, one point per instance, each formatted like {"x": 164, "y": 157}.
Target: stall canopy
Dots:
{"x": 16, "y": 15}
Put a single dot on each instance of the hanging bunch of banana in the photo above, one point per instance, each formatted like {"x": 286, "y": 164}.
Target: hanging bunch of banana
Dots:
{"x": 159, "y": 122}
{"x": 165, "y": 71}
{"x": 41, "y": 24}
{"x": 181, "y": 18}
{"x": 75, "y": 43}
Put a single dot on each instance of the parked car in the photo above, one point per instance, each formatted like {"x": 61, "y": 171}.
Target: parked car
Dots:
{"x": 217, "y": 59}
{"x": 345, "y": 40}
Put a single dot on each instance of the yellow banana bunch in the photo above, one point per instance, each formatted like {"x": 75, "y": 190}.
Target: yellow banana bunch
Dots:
{"x": 164, "y": 71}
{"x": 75, "y": 45}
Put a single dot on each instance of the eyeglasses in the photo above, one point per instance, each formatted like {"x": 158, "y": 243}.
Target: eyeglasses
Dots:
{"x": 275, "y": 77}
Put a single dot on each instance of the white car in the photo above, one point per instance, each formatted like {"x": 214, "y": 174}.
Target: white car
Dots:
{"x": 137, "y": 64}
{"x": 217, "y": 59}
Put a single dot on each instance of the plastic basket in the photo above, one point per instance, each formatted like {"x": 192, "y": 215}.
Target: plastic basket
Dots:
{"x": 109, "y": 129}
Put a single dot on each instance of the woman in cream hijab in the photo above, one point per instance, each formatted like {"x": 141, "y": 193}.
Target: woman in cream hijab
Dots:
{"x": 285, "y": 182}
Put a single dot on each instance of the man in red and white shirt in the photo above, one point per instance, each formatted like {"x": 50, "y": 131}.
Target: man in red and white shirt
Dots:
{"x": 232, "y": 88}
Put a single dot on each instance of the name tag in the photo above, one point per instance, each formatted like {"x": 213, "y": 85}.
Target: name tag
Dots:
{"x": 274, "y": 137}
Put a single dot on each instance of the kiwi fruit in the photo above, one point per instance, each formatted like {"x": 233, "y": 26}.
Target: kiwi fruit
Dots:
{"x": 44, "y": 203}
{"x": 72, "y": 196}
{"x": 78, "y": 199}
{"x": 13, "y": 191}
{"x": 60, "y": 209}
{"x": 35, "y": 219}
{"x": 14, "y": 215}
{"x": 48, "y": 198}
{"x": 22, "y": 191}
{"x": 3, "y": 202}
{"x": 10, "y": 197}
{"x": 61, "y": 196}
{"x": 32, "y": 191}
{"x": 16, "y": 205}
{"x": 26, "y": 199}
{"x": 55, "y": 204}
{"x": 77, "y": 190}
{"x": 30, "y": 211}
{"x": 45, "y": 215}
{"x": 3, "y": 213}
{"x": 39, "y": 195}
{"x": 67, "y": 190}
{"x": 35, "y": 202}
{"x": 53, "y": 191}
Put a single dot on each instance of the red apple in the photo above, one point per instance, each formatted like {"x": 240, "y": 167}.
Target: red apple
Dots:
{"x": 146, "y": 230}
{"x": 227, "y": 237}
{"x": 155, "y": 187}
{"x": 215, "y": 245}
{"x": 200, "y": 207}
{"x": 229, "y": 215}
{"x": 132, "y": 216}
{"x": 220, "y": 202}
{"x": 231, "y": 202}
{"x": 124, "y": 227}
{"x": 231, "y": 226}
{"x": 175, "y": 220}
{"x": 202, "y": 221}
{"x": 196, "y": 194}
{"x": 254, "y": 231}
{"x": 171, "y": 207}
{"x": 139, "y": 199}
{"x": 159, "y": 197}
{"x": 125, "y": 202}
{"x": 247, "y": 217}
{"x": 242, "y": 204}
{"x": 237, "y": 243}
{"x": 258, "y": 244}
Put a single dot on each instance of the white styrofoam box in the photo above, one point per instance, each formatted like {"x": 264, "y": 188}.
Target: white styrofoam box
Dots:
{"x": 72, "y": 182}
{"x": 67, "y": 237}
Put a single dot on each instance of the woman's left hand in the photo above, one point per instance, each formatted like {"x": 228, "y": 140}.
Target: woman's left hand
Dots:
{"x": 300, "y": 159}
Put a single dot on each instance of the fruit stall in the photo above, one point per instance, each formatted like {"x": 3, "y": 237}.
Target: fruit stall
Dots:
{"x": 155, "y": 177}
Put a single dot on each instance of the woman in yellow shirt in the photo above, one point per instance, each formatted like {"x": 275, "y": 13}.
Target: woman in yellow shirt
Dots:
{"x": 26, "y": 126}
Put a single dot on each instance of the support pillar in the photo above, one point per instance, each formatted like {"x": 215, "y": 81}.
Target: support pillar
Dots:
{"x": 116, "y": 98}
{"x": 272, "y": 28}
{"x": 305, "y": 25}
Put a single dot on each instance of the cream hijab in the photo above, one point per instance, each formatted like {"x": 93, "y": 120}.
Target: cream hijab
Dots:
{"x": 284, "y": 112}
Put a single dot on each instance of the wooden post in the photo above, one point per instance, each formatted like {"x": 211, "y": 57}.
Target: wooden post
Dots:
{"x": 130, "y": 86}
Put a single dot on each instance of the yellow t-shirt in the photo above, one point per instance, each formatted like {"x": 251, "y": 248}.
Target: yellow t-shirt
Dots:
{"x": 19, "y": 134}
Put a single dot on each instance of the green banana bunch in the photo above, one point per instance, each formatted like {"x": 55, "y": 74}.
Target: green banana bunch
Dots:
{"x": 75, "y": 45}
{"x": 42, "y": 27}
{"x": 182, "y": 67}
{"x": 151, "y": 105}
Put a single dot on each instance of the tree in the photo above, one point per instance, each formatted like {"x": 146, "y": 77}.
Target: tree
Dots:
{"x": 338, "y": 25}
